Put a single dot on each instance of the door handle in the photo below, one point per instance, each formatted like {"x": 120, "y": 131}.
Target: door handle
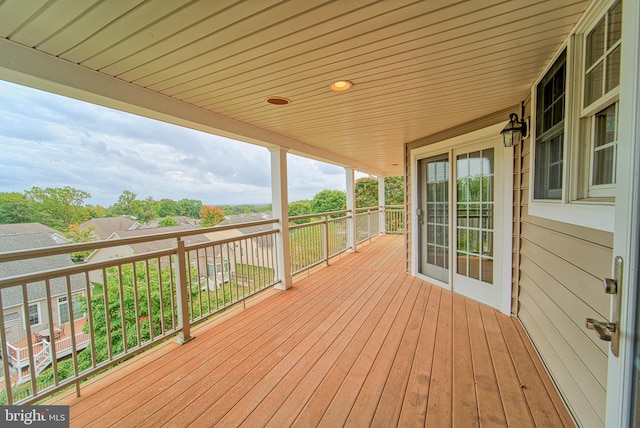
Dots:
{"x": 610, "y": 331}
{"x": 605, "y": 330}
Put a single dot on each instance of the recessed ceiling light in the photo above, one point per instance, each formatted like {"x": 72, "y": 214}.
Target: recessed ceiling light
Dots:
{"x": 341, "y": 85}
{"x": 278, "y": 101}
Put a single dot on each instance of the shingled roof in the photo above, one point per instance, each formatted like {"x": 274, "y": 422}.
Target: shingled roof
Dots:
{"x": 13, "y": 296}
{"x": 104, "y": 227}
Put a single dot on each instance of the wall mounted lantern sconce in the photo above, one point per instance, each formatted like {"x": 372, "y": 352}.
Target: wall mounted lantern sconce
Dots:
{"x": 515, "y": 130}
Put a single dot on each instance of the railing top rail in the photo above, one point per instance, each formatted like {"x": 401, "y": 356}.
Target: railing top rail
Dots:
{"x": 373, "y": 208}
{"x": 94, "y": 245}
{"x": 91, "y": 266}
{"x": 325, "y": 214}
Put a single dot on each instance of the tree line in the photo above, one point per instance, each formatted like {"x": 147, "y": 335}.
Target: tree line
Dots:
{"x": 63, "y": 207}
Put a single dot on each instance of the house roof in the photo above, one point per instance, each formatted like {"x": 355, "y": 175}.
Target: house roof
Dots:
{"x": 24, "y": 228}
{"x": 103, "y": 227}
{"x": 418, "y": 68}
{"x": 247, "y": 218}
{"x": 180, "y": 219}
{"x": 161, "y": 244}
{"x": 13, "y": 296}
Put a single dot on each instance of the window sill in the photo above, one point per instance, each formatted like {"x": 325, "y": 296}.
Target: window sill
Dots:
{"x": 589, "y": 214}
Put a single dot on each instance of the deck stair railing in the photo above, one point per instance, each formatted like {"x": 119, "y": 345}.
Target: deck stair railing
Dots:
{"x": 43, "y": 358}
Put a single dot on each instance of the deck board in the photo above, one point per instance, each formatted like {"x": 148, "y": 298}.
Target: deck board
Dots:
{"x": 358, "y": 343}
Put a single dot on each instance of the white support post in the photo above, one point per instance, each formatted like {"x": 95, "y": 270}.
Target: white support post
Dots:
{"x": 280, "y": 210}
{"x": 351, "y": 206}
{"x": 381, "y": 203}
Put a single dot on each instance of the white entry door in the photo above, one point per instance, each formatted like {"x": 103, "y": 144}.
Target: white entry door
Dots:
{"x": 464, "y": 200}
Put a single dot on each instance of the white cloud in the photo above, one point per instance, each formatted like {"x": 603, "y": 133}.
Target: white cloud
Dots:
{"x": 52, "y": 141}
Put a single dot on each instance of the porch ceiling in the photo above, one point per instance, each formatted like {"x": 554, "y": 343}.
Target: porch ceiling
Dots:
{"x": 418, "y": 67}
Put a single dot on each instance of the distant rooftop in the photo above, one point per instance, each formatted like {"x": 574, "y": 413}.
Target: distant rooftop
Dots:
{"x": 104, "y": 227}
{"x": 13, "y": 296}
{"x": 25, "y": 228}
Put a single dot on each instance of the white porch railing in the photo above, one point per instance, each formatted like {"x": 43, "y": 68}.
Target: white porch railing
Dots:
{"x": 315, "y": 238}
{"x": 135, "y": 301}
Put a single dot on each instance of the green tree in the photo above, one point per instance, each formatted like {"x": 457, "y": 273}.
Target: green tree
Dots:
{"x": 127, "y": 204}
{"x": 394, "y": 190}
{"x": 167, "y": 207}
{"x": 167, "y": 221}
{"x": 328, "y": 200}
{"x": 59, "y": 207}
{"x": 97, "y": 211}
{"x": 366, "y": 192}
{"x": 210, "y": 215}
{"x": 299, "y": 208}
{"x": 190, "y": 207}
{"x": 16, "y": 208}
{"x": 77, "y": 234}
{"x": 245, "y": 209}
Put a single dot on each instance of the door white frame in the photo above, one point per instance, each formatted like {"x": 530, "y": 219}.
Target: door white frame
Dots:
{"x": 627, "y": 219}
{"x": 485, "y": 135}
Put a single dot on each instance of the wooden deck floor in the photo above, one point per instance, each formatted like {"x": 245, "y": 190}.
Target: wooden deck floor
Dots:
{"x": 359, "y": 343}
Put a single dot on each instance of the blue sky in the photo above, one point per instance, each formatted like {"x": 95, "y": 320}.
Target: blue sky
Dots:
{"x": 47, "y": 140}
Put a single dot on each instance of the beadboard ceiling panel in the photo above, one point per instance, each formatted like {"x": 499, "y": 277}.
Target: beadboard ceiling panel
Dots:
{"x": 418, "y": 67}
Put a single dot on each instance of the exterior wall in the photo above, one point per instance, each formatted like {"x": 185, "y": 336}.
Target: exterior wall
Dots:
{"x": 558, "y": 271}
{"x": 16, "y": 330}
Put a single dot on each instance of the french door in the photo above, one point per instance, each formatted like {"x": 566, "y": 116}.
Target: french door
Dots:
{"x": 461, "y": 221}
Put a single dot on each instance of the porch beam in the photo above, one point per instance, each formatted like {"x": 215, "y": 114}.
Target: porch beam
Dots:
{"x": 280, "y": 210}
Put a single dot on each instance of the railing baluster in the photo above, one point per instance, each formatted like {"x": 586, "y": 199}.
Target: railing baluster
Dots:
{"x": 125, "y": 344}
{"x": 25, "y": 300}
{"x": 149, "y": 299}
{"x": 107, "y": 311}
{"x": 182, "y": 296}
{"x": 6, "y": 356}
{"x": 72, "y": 328}
{"x": 92, "y": 338}
{"x": 136, "y": 301}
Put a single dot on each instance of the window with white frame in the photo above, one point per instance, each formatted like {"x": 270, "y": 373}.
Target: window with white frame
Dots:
{"x": 549, "y": 146}
{"x": 599, "y": 115}
{"x": 34, "y": 314}
{"x": 63, "y": 308}
{"x": 575, "y": 124}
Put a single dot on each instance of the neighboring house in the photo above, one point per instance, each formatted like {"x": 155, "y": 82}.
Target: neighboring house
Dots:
{"x": 28, "y": 228}
{"x": 104, "y": 227}
{"x": 205, "y": 259}
{"x": 12, "y": 298}
{"x": 250, "y": 251}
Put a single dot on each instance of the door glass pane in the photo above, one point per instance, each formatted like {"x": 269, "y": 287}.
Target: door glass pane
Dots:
{"x": 435, "y": 221}
{"x": 474, "y": 208}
